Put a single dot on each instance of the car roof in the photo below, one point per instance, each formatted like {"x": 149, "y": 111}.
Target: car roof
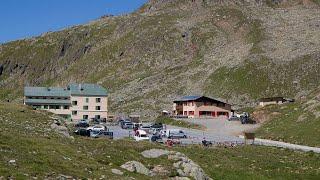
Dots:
{"x": 142, "y": 132}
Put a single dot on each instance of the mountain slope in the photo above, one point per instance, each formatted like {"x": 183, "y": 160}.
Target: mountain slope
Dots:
{"x": 295, "y": 123}
{"x": 235, "y": 50}
{"x": 30, "y": 149}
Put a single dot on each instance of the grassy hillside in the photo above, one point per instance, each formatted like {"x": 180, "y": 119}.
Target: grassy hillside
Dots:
{"x": 25, "y": 137}
{"x": 172, "y": 48}
{"x": 297, "y": 123}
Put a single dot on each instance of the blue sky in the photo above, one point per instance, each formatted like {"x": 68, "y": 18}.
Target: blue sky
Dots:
{"x": 26, "y": 18}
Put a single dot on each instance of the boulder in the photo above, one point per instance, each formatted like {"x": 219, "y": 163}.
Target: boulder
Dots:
{"x": 60, "y": 129}
{"x": 160, "y": 170}
{"x": 116, "y": 171}
{"x": 181, "y": 173}
{"x": 134, "y": 166}
{"x": 154, "y": 153}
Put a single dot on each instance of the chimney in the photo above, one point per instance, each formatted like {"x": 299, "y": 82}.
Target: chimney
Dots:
{"x": 80, "y": 87}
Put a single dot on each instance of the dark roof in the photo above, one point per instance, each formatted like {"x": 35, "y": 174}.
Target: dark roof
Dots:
{"x": 46, "y": 91}
{"x": 189, "y": 98}
{"x": 271, "y": 99}
{"x": 47, "y": 101}
{"x": 87, "y": 90}
{"x": 195, "y": 98}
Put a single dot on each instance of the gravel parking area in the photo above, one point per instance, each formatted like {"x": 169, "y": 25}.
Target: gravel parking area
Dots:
{"x": 221, "y": 126}
{"x": 218, "y": 130}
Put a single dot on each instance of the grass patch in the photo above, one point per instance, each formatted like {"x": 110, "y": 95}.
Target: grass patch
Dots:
{"x": 264, "y": 78}
{"x": 293, "y": 125}
{"x": 254, "y": 162}
{"x": 179, "y": 123}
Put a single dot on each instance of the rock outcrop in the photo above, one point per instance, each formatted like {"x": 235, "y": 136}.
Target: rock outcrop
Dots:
{"x": 184, "y": 165}
{"x": 135, "y": 166}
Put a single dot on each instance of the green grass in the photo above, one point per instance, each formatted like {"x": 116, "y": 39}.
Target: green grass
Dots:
{"x": 255, "y": 162}
{"x": 264, "y": 78}
{"x": 316, "y": 1}
{"x": 26, "y": 137}
{"x": 255, "y": 36}
{"x": 288, "y": 128}
{"x": 179, "y": 123}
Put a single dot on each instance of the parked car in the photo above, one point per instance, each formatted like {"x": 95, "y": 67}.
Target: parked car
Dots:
{"x": 145, "y": 127}
{"x": 157, "y": 125}
{"x": 98, "y": 121}
{"x": 233, "y": 118}
{"x": 155, "y": 130}
{"x": 97, "y": 127}
{"x": 137, "y": 125}
{"x": 140, "y": 135}
{"x": 246, "y": 119}
{"x": 82, "y": 123}
{"x": 82, "y": 132}
{"x": 175, "y": 133}
{"x": 156, "y": 138}
{"x": 99, "y": 134}
{"x": 120, "y": 121}
{"x": 127, "y": 125}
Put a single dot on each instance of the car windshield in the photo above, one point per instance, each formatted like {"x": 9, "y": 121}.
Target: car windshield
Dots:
{"x": 95, "y": 132}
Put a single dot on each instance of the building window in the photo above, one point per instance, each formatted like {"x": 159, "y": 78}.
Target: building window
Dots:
{"x": 97, "y": 117}
{"x": 191, "y": 113}
{"x": 98, "y": 100}
{"x": 74, "y": 112}
{"x": 98, "y": 108}
{"x": 185, "y": 113}
{"x": 85, "y": 107}
{"x": 65, "y": 107}
{"x": 45, "y": 107}
{"x": 87, "y": 100}
{"x": 85, "y": 116}
{"x": 74, "y": 103}
{"x": 54, "y": 107}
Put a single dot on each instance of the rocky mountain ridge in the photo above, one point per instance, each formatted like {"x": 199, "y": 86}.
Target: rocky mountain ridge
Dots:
{"x": 238, "y": 51}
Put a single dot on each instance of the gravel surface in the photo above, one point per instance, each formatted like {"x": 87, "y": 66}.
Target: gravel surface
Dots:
{"x": 218, "y": 130}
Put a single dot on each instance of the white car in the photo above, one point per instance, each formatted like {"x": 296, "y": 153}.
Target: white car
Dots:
{"x": 140, "y": 135}
{"x": 175, "y": 133}
{"x": 96, "y": 128}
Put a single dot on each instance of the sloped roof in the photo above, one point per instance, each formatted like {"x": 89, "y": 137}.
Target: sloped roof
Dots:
{"x": 87, "y": 90}
{"x": 46, "y": 91}
{"x": 72, "y": 89}
{"x": 194, "y": 98}
{"x": 189, "y": 98}
{"x": 269, "y": 99}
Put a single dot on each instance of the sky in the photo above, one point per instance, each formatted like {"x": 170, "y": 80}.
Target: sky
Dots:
{"x": 26, "y": 18}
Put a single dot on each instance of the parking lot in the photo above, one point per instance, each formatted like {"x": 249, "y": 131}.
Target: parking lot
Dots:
{"x": 217, "y": 130}
{"x": 193, "y": 136}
